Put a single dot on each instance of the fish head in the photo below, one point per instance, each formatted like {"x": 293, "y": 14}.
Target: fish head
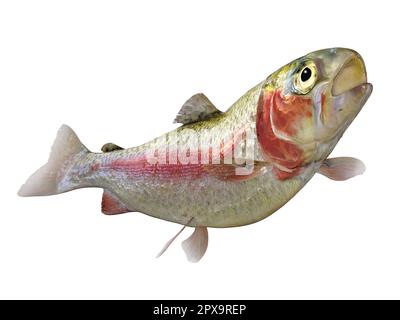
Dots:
{"x": 309, "y": 103}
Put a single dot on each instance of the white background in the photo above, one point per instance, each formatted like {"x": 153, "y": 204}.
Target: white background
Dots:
{"x": 119, "y": 71}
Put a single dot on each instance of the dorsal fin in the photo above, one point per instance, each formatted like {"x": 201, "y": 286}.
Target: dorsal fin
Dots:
{"x": 197, "y": 108}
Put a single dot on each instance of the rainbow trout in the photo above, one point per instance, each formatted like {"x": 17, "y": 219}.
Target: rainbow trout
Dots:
{"x": 224, "y": 169}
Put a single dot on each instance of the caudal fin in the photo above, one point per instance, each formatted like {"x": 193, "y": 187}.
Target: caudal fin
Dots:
{"x": 45, "y": 181}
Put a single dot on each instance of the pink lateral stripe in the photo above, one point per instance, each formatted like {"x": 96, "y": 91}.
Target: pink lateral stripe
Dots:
{"x": 140, "y": 167}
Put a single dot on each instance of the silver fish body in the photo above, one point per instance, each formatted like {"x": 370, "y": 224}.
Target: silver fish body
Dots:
{"x": 204, "y": 201}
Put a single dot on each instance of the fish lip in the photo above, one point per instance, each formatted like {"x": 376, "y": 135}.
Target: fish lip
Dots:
{"x": 367, "y": 88}
{"x": 352, "y": 75}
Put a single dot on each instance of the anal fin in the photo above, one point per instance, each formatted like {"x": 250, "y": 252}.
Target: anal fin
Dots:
{"x": 111, "y": 205}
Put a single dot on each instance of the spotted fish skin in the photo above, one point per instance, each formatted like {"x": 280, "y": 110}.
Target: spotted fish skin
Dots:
{"x": 290, "y": 126}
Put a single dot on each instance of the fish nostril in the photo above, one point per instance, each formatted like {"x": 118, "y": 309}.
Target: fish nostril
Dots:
{"x": 333, "y": 51}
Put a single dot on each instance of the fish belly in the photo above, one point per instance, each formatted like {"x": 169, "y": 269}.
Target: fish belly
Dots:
{"x": 204, "y": 200}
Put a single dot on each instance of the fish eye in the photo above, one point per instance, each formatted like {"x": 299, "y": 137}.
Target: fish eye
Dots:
{"x": 306, "y": 78}
{"x": 305, "y": 74}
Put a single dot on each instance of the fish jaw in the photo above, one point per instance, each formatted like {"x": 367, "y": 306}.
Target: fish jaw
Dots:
{"x": 343, "y": 96}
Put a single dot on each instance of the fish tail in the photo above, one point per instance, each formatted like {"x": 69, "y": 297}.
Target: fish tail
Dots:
{"x": 51, "y": 179}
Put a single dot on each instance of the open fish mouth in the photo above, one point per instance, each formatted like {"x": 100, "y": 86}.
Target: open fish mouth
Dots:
{"x": 347, "y": 92}
{"x": 352, "y": 79}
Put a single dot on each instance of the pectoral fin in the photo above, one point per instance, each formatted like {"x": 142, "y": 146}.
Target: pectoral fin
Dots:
{"x": 342, "y": 168}
{"x": 196, "y": 245}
